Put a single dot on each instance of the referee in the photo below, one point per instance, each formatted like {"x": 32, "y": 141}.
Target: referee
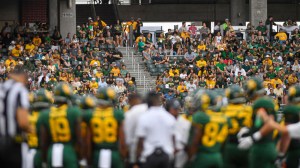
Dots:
{"x": 155, "y": 132}
{"x": 14, "y": 106}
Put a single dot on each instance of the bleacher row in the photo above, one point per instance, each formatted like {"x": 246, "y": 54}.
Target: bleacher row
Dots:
{"x": 158, "y": 69}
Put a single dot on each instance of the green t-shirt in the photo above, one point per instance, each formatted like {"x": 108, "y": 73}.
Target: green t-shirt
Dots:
{"x": 141, "y": 46}
{"x": 221, "y": 66}
{"x": 261, "y": 28}
{"x": 202, "y": 84}
{"x": 124, "y": 72}
{"x": 271, "y": 75}
{"x": 214, "y": 130}
{"x": 60, "y": 122}
{"x": 106, "y": 72}
{"x": 246, "y": 67}
{"x": 104, "y": 123}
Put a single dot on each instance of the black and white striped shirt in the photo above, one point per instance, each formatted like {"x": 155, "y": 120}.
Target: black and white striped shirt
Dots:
{"x": 13, "y": 95}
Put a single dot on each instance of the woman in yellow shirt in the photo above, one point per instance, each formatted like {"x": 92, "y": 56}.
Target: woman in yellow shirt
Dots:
{"x": 93, "y": 84}
{"x": 63, "y": 77}
{"x": 16, "y": 52}
{"x": 201, "y": 46}
{"x": 211, "y": 82}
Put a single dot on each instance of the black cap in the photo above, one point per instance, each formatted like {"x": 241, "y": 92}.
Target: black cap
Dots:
{"x": 173, "y": 103}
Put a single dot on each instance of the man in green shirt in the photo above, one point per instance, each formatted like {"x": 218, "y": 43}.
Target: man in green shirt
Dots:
{"x": 262, "y": 28}
{"x": 221, "y": 66}
{"x": 141, "y": 45}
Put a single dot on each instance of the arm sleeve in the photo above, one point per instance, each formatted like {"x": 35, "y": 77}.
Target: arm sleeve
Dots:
{"x": 141, "y": 129}
{"x": 293, "y": 130}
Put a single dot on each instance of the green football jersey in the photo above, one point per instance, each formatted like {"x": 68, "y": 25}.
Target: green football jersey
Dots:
{"x": 291, "y": 116}
{"x": 214, "y": 130}
{"x": 268, "y": 104}
{"x": 104, "y": 124}
{"x": 61, "y": 122}
{"x": 32, "y": 138}
{"x": 240, "y": 116}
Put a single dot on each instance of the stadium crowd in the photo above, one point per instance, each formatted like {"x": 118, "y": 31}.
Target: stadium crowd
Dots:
{"x": 239, "y": 126}
{"x": 189, "y": 58}
{"x": 88, "y": 60}
{"x": 182, "y": 59}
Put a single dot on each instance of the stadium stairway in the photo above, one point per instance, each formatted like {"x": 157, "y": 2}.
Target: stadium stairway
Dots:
{"x": 135, "y": 66}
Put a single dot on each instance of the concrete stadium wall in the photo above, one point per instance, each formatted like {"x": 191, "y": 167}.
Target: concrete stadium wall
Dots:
{"x": 10, "y": 11}
{"x": 200, "y": 12}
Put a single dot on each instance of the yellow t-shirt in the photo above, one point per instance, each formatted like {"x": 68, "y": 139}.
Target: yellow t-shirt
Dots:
{"x": 102, "y": 23}
{"x": 274, "y": 82}
{"x": 201, "y": 47}
{"x": 15, "y": 52}
{"x": 282, "y": 36}
{"x": 171, "y": 72}
{"x": 184, "y": 35}
{"x": 266, "y": 83}
{"x": 29, "y": 47}
{"x": 99, "y": 74}
{"x": 37, "y": 41}
{"x": 181, "y": 89}
{"x": 94, "y": 85}
{"x": 115, "y": 71}
{"x": 268, "y": 62}
{"x": 138, "y": 39}
{"x": 63, "y": 78}
{"x": 8, "y": 62}
{"x": 201, "y": 63}
{"x": 95, "y": 61}
{"x": 210, "y": 84}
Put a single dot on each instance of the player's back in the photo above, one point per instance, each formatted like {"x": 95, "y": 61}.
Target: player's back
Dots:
{"x": 240, "y": 116}
{"x": 61, "y": 123}
{"x": 214, "y": 130}
{"x": 105, "y": 123}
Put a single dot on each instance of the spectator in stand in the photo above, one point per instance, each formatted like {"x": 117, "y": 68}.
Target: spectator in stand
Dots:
{"x": 262, "y": 28}
{"x": 189, "y": 57}
{"x": 204, "y": 31}
{"x": 193, "y": 30}
{"x": 269, "y": 24}
{"x": 281, "y": 36}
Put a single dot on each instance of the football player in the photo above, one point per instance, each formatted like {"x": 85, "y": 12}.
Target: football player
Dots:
{"x": 39, "y": 101}
{"x": 86, "y": 105}
{"x": 60, "y": 130}
{"x": 210, "y": 132}
{"x": 240, "y": 115}
{"x": 290, "y": 140}
{"x": 183, "y": 132}
{"x": 260, "y": 140}
{"x": 106, "y": 125}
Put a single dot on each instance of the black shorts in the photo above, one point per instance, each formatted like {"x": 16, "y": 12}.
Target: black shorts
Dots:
{"x": 10, "y": 154}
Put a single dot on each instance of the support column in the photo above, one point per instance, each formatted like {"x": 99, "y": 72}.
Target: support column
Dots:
{"x": 53, "y": 15}
{"x": 258, "y": 11}
{"x": 67, "y": 17}
{"x": 238, "y": 12}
